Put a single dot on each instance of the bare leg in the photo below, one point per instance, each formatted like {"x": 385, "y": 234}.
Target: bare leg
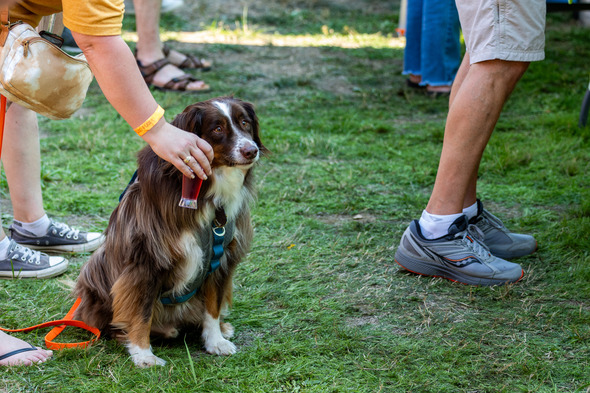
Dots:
{"x": 475, "y": 107}
{"x": 149, "y": 45}
{"x": 21, "y": 156}
{"x": 147, "y": 16}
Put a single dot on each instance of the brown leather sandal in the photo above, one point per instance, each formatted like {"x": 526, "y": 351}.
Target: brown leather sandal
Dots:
{"x": 175, "y": 84}
{"x": 191, "y": 62}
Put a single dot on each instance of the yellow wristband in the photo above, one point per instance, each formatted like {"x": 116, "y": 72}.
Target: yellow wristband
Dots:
{"x": 150, "y": 122}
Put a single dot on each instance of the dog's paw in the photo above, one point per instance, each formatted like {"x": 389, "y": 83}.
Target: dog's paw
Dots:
{"x": 220, "y": 347}
{"x": 144, "y": 357}
{"x": 147, "y": 361}
{"x": 227, "y": 330}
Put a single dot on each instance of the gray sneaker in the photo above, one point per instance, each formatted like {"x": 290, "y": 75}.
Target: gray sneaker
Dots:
{"x": 22, "y": 262}
{"x": 501, "y": 242}
{"x": 459, "y": 256}
{"x": 59, "y": 237}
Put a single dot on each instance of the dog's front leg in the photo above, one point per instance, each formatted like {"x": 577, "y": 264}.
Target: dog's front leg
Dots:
{"x": 132, "y": 313}
{"x": 213, "y": 337}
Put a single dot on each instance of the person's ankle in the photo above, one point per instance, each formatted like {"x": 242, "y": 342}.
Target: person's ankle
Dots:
{"x": 415, "y": 78}
{"x": 148, "y": 56}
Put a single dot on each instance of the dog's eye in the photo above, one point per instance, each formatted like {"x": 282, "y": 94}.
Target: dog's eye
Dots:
{"x": 218, "y": 129}
{"x": 245, "y": 124}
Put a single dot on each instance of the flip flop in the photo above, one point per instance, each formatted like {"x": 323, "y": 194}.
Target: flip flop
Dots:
{"x": 16, "y": 352}
{"x": 175, "y": 84}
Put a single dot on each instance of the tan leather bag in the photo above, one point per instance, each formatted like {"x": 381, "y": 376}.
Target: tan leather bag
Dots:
{"x": 38, "y": 75}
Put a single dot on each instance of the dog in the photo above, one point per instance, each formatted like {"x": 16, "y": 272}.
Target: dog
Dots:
{"x": 157, "y": 253}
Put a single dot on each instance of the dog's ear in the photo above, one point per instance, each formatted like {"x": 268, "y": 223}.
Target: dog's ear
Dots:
{"x": 255, "y": 128}
{"x": 191, "y": 119}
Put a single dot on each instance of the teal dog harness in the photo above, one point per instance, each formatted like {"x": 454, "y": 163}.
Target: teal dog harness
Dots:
{"x": 219, "y": 237}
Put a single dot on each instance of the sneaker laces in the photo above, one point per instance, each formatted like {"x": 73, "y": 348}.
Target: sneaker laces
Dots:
{"x": 491, "y": 220}
{"x": 65, "y": 230}
{"x": 475, "y": 241}
{"x": 26, "y": 254}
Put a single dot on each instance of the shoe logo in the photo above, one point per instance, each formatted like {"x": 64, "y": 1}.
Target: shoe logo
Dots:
{"x": 468, "y": 260}
{"x": 445, "y": 261}
{"x": 460, "y": 262}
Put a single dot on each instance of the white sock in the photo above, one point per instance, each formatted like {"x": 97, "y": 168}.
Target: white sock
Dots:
{"x": 4, "y": 243}
{"x": 470, "y": 211}
{"x": 434, "y": 226}
{"x": 37, "y": 228}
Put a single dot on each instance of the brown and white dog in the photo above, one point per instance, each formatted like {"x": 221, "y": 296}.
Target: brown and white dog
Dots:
{"x": 155, "y": 249}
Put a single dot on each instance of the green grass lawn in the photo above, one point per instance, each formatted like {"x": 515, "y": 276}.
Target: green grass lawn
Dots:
{"x": 320, "y": 305}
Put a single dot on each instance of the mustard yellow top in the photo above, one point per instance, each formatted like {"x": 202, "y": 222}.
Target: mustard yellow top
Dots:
{"x": 91, "y": 17}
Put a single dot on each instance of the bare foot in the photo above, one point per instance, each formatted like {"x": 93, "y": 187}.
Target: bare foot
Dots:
{"x": 9, "y": 344}
{"x": 438, "y": 89}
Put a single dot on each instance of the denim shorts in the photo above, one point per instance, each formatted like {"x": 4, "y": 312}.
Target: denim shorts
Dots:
{"x": 512, "y": 30}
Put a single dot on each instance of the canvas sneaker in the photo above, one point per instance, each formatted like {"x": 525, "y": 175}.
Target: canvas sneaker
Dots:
{"x": 22, "y": 262}
{"x": 59, "y": 237}
{"x": 458, "y": 256}
{"x": 501, "y": 242}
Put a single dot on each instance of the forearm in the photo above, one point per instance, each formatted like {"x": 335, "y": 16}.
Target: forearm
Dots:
{"x": 118, "y": 76}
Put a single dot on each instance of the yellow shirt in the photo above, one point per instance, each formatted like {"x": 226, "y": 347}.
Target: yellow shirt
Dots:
{"x": 91, "y": 17}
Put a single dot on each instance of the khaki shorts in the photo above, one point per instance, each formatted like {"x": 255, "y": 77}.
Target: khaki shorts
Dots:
{"x": 512, "y": 30}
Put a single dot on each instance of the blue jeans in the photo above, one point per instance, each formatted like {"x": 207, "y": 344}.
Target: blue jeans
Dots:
{"x": 433, "y": 49}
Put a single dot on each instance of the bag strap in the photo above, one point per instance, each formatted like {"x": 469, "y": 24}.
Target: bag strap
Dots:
{"x": 4, "y": 25}
{"x": 2, "y": 121}
{"x": 60, "y": 325}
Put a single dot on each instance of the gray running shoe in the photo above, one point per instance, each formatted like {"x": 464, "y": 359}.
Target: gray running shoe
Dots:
{"x": 59, "y": 237}
{"x": 22, "y": 262}
{"x": 501, "y": 242}
{"x": 459, "y": 256}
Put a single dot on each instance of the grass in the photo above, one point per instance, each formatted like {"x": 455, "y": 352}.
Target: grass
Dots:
{"x": 320, "y": 305}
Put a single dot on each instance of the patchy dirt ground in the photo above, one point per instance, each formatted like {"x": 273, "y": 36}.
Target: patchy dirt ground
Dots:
{"x": 270, "y": 57}
{"x": 203, "y": 11}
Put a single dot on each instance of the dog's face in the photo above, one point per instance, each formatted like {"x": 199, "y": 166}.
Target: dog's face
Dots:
{"x": 229, "y": 125}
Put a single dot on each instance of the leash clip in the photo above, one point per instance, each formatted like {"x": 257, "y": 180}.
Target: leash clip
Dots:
{"x": 219, "y": 231}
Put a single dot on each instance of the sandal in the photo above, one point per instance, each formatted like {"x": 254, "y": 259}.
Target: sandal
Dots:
{"x": 175, "y": 84}
{"x": 190, "y": 62}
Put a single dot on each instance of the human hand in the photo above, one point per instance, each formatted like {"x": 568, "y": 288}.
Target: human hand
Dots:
{"x": 190, "y": 154}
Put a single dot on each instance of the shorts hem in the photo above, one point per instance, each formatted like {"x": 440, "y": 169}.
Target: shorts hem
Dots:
{"x": 507, "y": 56}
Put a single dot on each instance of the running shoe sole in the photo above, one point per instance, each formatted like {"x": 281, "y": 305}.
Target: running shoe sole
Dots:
{"x": 431, "y": 270}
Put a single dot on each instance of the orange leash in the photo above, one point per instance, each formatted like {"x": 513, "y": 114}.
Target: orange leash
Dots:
{"x": 60, "y": 325}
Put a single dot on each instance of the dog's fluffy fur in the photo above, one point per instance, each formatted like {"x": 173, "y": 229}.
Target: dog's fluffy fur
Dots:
{"x": 153, "y": 246}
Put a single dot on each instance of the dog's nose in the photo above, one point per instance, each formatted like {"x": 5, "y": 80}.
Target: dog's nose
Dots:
{"x": 249, "y": 151}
